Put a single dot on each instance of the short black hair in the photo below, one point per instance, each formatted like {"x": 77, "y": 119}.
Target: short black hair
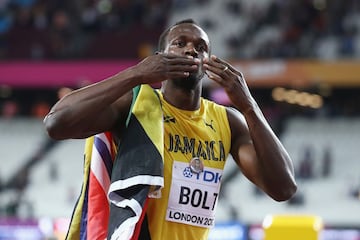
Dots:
{"x": 163, "y": 36}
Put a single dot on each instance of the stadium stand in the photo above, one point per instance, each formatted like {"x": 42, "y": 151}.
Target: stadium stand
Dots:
{"x": 330, "y": 196}
{"x": 51, "y": 177}
{"x": 42, "y": 178}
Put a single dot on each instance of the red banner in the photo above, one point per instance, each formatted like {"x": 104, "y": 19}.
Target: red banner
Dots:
{"x": 58, "y": 74}
{"x": 257, "y": 73}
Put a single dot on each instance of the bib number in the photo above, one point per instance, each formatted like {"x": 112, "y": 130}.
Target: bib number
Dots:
{"x": 193, "y": 196}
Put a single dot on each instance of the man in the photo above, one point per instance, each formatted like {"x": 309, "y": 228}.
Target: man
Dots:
{"x": 198, "y": 134}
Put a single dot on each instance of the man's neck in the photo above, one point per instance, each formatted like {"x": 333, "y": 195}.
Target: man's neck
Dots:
{"x": 186, "y": 99}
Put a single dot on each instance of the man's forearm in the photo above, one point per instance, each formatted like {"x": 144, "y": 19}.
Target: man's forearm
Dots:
{"x": 274, "y": 163}
{"x": 88, "y": 107}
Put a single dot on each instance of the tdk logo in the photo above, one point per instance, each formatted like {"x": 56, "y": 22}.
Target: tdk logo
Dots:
{"x": 206, "y": 175}
{"x": 187, "y": 172}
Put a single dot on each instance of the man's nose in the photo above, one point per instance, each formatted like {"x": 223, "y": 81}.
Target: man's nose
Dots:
{"x": 190, "y": 50}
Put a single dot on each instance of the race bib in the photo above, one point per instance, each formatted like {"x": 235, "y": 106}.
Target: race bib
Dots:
{"x": 193, "y": 196}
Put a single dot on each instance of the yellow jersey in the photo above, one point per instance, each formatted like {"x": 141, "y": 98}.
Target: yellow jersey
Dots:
{"x": 200, "y": 139}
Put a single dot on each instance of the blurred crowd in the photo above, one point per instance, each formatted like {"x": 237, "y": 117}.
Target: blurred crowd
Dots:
{"x": 58, "y": 29}
{"x": 63, "y": 29}
{"x": 325, "y": 29}
{"x": 129, "y": 29}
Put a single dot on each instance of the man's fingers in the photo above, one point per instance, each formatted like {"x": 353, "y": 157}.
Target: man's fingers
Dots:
{"x": 223, "y": 64}
{"x": 186, "y": 61}
{"x": 178, "y": 64}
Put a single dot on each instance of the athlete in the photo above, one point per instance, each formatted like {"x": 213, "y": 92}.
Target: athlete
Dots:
{"x": 198, "y": 134}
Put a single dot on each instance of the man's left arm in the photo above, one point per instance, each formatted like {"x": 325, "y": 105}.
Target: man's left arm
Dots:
{"x": 260, "y": 155}
{"x": 255, "y": 147}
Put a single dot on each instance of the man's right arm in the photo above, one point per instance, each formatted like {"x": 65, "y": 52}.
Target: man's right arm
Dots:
{"x": 103, "y": 106}
{"x": 92, "y": 109}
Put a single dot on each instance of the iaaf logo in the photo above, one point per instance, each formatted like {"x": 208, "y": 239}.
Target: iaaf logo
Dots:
{"x": 206, "y": 175}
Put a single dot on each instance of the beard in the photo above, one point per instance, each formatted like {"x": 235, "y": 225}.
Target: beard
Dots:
{"x": 190, "y": 82}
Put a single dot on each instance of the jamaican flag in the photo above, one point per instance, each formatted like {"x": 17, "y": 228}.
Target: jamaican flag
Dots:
{"x": 119, "y": 179}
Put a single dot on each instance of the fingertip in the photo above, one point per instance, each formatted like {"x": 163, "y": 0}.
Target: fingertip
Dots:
{"x": 213, "y": 57}
{"x": 210, "y": 76}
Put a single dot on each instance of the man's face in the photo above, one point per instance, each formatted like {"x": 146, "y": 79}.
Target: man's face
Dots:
{"x": 188, "y": 40}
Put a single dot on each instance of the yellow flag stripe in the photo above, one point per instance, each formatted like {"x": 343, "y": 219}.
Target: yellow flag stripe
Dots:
{"x": 147, "y": 108}
{"x": 74, "y": 228}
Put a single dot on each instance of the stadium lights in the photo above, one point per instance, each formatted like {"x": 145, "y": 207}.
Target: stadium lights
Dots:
{"x": 292, "y": 96}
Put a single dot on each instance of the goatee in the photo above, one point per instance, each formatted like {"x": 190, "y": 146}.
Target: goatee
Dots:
{"x": 190, "y": 82}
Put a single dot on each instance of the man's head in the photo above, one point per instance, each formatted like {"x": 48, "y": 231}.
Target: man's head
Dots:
{"x": 186, "y": 38}
{"x": 164, "y": 36}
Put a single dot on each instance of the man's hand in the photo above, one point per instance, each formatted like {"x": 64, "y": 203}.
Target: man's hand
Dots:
{"x": 231, "y": 80}
{"x": 162, "y": 66}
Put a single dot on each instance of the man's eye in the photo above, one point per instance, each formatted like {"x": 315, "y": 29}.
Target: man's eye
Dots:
{"x": 180, "y": 43}
{"x": 201, "y": 48}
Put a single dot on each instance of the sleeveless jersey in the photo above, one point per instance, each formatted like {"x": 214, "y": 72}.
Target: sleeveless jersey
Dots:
{"x": 186, "y": 208}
